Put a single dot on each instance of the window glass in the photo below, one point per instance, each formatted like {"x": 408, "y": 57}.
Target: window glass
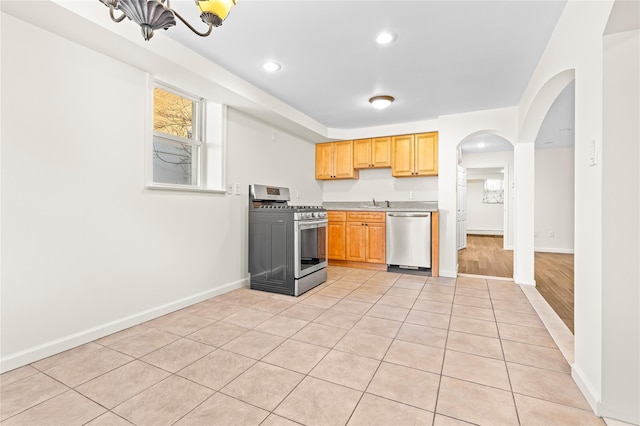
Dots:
{"x": 172, "y": 114}
{"x": 178, "y": 127}
{"x": 173, "y": 163}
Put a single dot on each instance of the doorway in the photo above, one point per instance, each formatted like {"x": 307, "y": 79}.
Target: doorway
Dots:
{"x": 484, "y": 212}
{"x": 554, "y": 206}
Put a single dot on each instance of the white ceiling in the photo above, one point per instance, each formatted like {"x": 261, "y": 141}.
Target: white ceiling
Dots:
{"x": 485, "y": 143}
{"x": 449, "y": 56}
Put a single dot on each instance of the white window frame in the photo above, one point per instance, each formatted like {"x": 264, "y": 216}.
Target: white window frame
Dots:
{"x": 210, "y": 159}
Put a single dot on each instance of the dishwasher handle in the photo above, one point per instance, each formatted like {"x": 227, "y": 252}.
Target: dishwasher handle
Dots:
{"x": 409, "y": 214}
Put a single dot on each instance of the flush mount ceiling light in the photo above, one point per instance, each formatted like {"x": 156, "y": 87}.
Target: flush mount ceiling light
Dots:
{"x": 482, "y": 145}
{"x": 385, "y": 37}
{"x": 156, "y": 14}
{"x": 381, "y": 102}
{"x": 271, "y": 66}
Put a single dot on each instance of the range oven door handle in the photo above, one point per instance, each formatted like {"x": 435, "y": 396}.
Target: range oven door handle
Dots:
{"x": 310, "y": 224}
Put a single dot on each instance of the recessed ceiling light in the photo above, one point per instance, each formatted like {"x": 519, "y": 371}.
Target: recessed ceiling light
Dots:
{"x": 381, "y": 102}
{"x": 385, "y": 37}
{"x": 271, "y": 66}
{"x": 482, "y": 145}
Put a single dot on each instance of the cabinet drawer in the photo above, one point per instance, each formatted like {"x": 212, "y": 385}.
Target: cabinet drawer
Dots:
{"x": 366, "y": 216}
{"x": 336, "y": 216}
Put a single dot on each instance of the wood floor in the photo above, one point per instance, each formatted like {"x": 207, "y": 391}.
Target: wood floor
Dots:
{"x": 484, "y": 256}
{"x": 553, "y": 271}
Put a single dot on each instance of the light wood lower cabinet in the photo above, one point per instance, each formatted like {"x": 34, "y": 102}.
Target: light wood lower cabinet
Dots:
{"x": 350, "y": 240}
{"x": 357, "y": 236}
{"x": 337, "y": 229}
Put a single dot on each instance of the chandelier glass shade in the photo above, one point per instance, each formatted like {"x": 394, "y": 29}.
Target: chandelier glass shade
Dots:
{"x": 153, "y": 15}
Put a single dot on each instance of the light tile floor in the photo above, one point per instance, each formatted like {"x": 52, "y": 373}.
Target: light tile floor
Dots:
{"x": 364, "y": 348}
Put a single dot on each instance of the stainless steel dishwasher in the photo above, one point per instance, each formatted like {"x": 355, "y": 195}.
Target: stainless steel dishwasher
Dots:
{"x": 409, "y": 239}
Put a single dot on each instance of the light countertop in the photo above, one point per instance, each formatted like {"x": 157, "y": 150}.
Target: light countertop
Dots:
{"x": 394, "y": 206}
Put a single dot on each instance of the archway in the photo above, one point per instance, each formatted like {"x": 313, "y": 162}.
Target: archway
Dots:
{"x": 484, "y": 220}
{"x": 554, "y": 212}
{"x": 524, "y": 164}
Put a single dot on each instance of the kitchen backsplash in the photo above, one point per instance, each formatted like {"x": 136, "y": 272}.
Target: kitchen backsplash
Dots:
{"x": 379, "y": 184}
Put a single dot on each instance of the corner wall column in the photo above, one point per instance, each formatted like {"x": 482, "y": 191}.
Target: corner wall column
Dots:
{"x": 524, "y": 178}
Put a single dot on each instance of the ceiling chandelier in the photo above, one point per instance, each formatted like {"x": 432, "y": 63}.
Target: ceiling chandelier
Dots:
{"x": 156, "y": 14}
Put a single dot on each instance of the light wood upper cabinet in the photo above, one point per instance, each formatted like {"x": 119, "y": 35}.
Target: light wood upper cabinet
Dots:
{"x": 414, "y": 155}
{"x": 426, "y": 154}
{"x": 402, "y": 156}
{"x": 362, "y": 153}
{"x": 334, "y": 160}
{"x": 372, "y": 153}
{"x": 324, "y": 161}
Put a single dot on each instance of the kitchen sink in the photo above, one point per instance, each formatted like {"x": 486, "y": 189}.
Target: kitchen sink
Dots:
{"x": 370, "y": 207}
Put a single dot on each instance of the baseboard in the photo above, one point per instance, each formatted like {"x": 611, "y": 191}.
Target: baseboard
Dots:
{"x": 553, "y": 250}
{"x": 448, "y": 274}
{"x": 586, "y": 388}
{"x": 520, "y": 281}
{"x": 62, "y": 344}
{"x": 486, "y": 277}
{"x": 497, "y": 232}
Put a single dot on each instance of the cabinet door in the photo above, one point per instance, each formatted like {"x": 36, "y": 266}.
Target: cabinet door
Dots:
{"x": 324, "y": 161}
{"x": 402, "y": 162}
{"x": 426, "y": 152}
{"x": 362, "y": 153}
{"x": 356, "y": 239}
{"x": 381, "y": 152}
{"x": 375, "y": 242}
{"x": 343, "y": 160}
{"x": 337, "y": 240}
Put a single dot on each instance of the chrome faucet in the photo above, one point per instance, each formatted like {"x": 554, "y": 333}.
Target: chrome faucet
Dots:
{"x": 387, "y": 201}
{"x": 374, "y": 201}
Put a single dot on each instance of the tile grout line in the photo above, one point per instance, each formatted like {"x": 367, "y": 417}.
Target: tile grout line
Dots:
{"x": 332, "y": 348}
{"x": 444, "y": 357}
{"x": 504, "y": 360}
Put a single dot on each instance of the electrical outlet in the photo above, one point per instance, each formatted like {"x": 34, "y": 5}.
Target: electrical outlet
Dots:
{"x": 551, "y": 234}
{"x": 236, "y": 188}
{"x": 298, "y": 193}
{"x": 229, "y": 189}
{"x": 411, "y": 195}
{"x": 535, "y": 234}
{"x": 593, "y": 154}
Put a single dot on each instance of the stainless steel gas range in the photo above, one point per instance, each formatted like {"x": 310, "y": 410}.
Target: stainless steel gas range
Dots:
{"x": 287, "y": 244}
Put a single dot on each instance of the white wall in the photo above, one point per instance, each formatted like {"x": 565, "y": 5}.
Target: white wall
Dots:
{"x": 379, "y": 184}
{"x": 453, "y": 130}
{"x": 554, "y": 199}
{"x": 577, "y": 46}
{"x": 86, "y": 250}
{"x": 483, "y": 218}
{"x": 621, "y": 228}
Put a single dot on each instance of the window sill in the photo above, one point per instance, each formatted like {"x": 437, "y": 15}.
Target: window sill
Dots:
{"x": 181, "y": 188}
